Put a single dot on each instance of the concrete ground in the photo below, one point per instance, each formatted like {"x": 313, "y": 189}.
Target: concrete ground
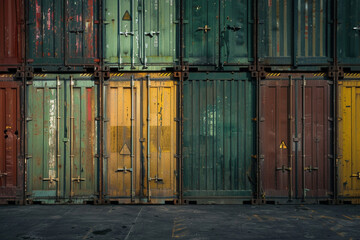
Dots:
{"x": 180, "y": 222}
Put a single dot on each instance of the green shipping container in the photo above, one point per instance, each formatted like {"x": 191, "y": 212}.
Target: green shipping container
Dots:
{"x": 140, "y": 35}
{"x": 219, "y": 138}
{"x": 61, "y": 139}
{"x": 348, "y": 32}
{"x": 295, "y": 32}
{"x": 218, "y": 34}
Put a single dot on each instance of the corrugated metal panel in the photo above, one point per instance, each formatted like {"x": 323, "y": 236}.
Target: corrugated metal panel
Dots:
{"x": 141, "y": 138}
{"x": 62, "y": 33}
{"x": 11, "y": 168}
{"x": 349, "y": 139}
{"x": 140, "y": 34}
{"x": 349, "y": 32}
{"x": 295, "y": 32}
{"x": 218, "y": 33}
{"x": 62, "y": 140}
{"x": 293, "y": 164}
{"x": 11, "y": 33}
{"x": 218, "y": 137}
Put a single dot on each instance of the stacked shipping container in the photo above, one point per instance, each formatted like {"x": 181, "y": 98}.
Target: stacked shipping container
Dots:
{"x": 157, "y": 101}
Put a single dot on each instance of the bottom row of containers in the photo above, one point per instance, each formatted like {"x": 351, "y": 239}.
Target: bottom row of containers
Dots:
{"x": 144, "y": 139}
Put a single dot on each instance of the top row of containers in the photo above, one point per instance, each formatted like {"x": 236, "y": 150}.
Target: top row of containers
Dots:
{"x": 126, "y": 35}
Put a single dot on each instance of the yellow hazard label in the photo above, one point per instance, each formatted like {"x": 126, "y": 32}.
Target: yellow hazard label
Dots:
{"x": 39, "y": 75}
{"x": 164, "y": 74}
{"x": 283, "y": 145}
{"x": 126, "y": 16}
{"x": 125, "y": 150}
{"x": 319, "y": 74}
{"x": 8, "y": 127}
{"x": 352, "y": 75}
{"x": 86, "y": 74}
{"x": 116, "y": 74}
{"x": 6, "y": 75}
{"x": 273, "y": 74}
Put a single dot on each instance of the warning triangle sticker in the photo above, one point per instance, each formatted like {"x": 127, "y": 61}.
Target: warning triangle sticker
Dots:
{"x": 283, "y": 145}
{"x": 125, "y": 150}
{"x": 126, "y": 16}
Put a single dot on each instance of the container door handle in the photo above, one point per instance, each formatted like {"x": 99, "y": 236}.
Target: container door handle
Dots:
{"x": 151, "y": 33}
{"x": 357, "y": 175}
{"x": 233, "y": 28}
{"x": 76, "y": 31}
{"x": 127, "y": 33}
{"x": 4, "y": 174}
{"x": 205, "y": 29}
{"x": 356, "y": 28}
{"x": 311, "y": 168}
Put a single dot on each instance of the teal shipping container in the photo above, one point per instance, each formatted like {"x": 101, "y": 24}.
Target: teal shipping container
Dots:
{"x": 140, "y": 35}
{"x": 62, "y": 143}
{"x": 219, "y": 138}
{"x": 218, "y": 34}
{"x": 295, "y": 32}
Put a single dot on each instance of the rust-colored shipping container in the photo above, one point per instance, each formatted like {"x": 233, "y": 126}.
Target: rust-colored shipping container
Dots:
{"x": 11, "y": 165}
{"x": 11, "y": 34}
{"x": 295, "y": 138}
{"x": 140, "y": 138}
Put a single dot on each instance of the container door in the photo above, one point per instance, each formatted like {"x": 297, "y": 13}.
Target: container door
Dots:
{"x": 349, "y": 32}
{"x": 160, "y": 127}
{"x": 9, "y": 141}
{"x": 11, "y": 29}
{"x": 82, "y": 32}
{"x": 123, "y": 145}
{"x": 45, "y": 32}
{"x": 121, "y": 26}
{"x": 236, "y": 32}
{"x": 349, "y": 139}
{"x": 158, "y": 26}
{"x": 81, "y": 173}
{"x": 201, "y": 32}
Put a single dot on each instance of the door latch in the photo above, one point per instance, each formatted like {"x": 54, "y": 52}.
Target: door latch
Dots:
{"x": 233, "y": 28}
{"x": 124, "y": 169}
{"x": 283, "y": 168}
{"x": 205, "y": 29}
{"x": 311, "y": 168}
{"x": 151, "y": 33}
{"x": 356, "y": 28}
{"x": 4, "y": 174}
{"x": 51, "y": 179}
{"x": 127, "y": 33}
{"x": 357, "y": 175}
{"x": 78, "y": 179}
{"x": 156, "y": 179}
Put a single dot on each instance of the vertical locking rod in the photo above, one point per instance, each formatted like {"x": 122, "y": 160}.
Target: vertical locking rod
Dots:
{"x": 148, "y": 139}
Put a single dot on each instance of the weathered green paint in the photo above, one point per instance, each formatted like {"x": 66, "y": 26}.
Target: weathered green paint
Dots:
{"x": 62, "y": 33}
{"x": 42, "y": 140}
{"x": 348, "y": 37}
{"x": 218, "y": 33}
{"x": 218, "y": 136}
{"x": 295, "y": 32}
{"x": 144, "y": 41}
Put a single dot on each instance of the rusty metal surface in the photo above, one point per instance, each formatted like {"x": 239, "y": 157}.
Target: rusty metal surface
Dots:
{"x": 11, "y": 33}
{"x": 11, "y": 167}
{"x": 140, "y": 137}
{"x": 295, "y": 150}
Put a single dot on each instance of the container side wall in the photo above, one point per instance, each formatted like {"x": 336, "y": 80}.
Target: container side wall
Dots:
{"x": 218, "y": 138}
{"x": 11, "y": 33}
{"x": 348, "y": 37}
{"x": 349, "y": 130}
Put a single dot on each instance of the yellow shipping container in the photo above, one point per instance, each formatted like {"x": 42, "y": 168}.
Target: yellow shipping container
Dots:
{"x": 349, "y": 140}
{"x": 141, "y": 140}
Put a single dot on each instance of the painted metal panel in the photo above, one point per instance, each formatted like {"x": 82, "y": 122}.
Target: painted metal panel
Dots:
{"x": 62, "y": 33}
{"x": 349, "y": 139}
{"x": 140, "y": 34}
{"x": 141, "y": 138}
{"x": 219, "y": 138}
{"x": 295, "y": 32}
{"x": 11, "y": 34}
{"x": 11, "y": 167}
{"x": 218, "y": 33}
{"x": 295, "y": 133}
{"x": 62, "y": 140}
{"x": 348, "y": 32}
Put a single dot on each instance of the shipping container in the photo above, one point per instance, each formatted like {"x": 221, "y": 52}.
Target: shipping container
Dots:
{"x": 348, "y": 161}
{"x": 348, "y": 32}
{"x": 295, "y": 32}
{"x": 63, "y": 35}
{"x": 296, "y": 123}
{"x": 141, "y": 35}
{"x": 218, "y": 33}
{"x": 12, "y": 27}
{"x": 62, "y": 139}
{"x": 219, "y": 135}
{"x": 11, "y": 164}
{"x": 141, "y": 138}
